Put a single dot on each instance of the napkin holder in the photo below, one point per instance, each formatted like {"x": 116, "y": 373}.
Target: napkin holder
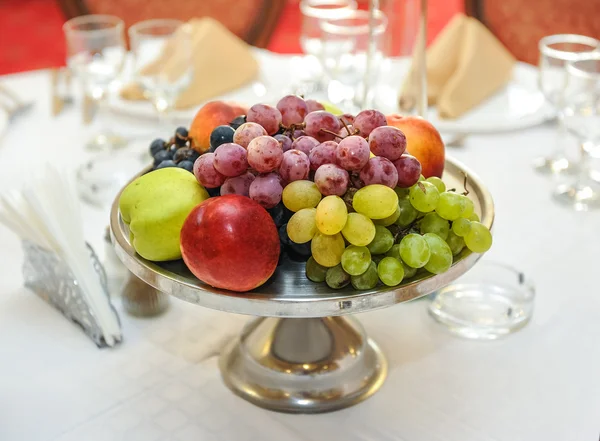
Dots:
{"x": 51, "y": 279}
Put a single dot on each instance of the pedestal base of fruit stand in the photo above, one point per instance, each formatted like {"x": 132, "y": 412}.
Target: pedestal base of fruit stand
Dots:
{"x": 303, "y": 365}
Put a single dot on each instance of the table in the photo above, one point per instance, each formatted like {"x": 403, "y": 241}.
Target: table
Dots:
{"x": 162, "y": 382}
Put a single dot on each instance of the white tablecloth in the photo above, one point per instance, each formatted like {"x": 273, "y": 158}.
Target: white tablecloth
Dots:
{"x": 542, "y": 383}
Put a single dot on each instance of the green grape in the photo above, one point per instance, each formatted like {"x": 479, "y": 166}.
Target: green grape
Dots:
{"x": 407, "y": 213}
{"x": 327, "y": 250}
{"x": 474, "y": 217}
{"x": 382, "y": 241}
{"x": 479, "y": 238}
{"x": 402, "y": 192}
{"x": 356, "y": 260}
{"x": 390, "y": 219}
{"x": 421, "y": 178}
{"x": 332, "y": 215}
{"x": 424, "y": 196}
{"x": 441, "y": 254}
{"x": 461, "y": 226}
{"x": 314, "y": 271}
{"x": 394, "y": 252}
{"x": 300, "y": 194}
{"x": 367, "y": 280}
{"x": 375, "y": 201}
{"x": 450, "y": 206}
{"x": 439, "y": 184}
{"x": 390, "y": 271}
{"x": 302, "y": 225}
{"x": 377, "y": 258}
{"x": 468, "y": 207}
{"x": 432, "y": 223}
{"x": 336, "y": 277}
{"x": 359, "y": 229}
{"x": 409, "y": 271}
{"x": 414, "y": 250}
{"x": 456, "y": 243}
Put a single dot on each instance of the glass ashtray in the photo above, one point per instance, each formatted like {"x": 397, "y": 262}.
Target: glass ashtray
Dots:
{"x": 490, "y": 301}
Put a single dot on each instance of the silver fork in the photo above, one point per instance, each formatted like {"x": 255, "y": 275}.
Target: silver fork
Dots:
{"x": 12, "y": 104}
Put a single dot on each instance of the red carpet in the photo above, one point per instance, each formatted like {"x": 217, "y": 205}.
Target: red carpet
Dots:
{"x": 32, "y": 38}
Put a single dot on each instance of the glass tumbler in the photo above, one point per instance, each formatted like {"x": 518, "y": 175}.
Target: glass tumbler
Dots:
{"x": 352, "y": 53}
{"x": 581, "y": 117}
{"x": 555, "y": 52}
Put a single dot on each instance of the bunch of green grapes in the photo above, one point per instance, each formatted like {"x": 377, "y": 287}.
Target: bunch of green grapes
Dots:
{"x": 380, "y": 235}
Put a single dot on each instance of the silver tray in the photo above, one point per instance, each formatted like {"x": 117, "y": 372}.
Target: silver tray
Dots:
{"x": 289, "y": 293}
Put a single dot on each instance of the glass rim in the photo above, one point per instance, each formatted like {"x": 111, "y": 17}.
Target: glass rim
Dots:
{"x": 330, "y": 27}
{"x": 141, "y": 26}
{"x": 311, "y": 11}
{"x": 70, "y": 26}
{"x": 573, "y": 67}
{"x": 544, "y": 45}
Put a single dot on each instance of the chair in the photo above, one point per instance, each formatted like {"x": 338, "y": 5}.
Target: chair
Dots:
{"x": 251, "y": 20}
{"x": 520, "y": 24}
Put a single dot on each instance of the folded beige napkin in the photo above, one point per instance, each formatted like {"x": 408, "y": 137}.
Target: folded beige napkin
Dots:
{"x": 465, "y": 65}
{"x": 221, "y": 62}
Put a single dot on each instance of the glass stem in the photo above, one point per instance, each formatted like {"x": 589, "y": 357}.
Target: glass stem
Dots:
{"x": 584, "y": 166}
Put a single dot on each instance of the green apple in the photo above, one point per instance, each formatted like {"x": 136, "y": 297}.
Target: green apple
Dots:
{"x": 155, "y": 206}
{"x": 332, "y": 108}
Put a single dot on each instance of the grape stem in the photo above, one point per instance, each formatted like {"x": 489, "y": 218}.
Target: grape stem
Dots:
{"x": 292, "y": 128}
{"x": 345, "y": 126}
{"x": 331, "y": 133}
{"x": 466, "y": 192}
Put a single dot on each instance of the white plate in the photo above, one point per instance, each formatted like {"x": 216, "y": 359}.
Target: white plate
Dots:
{"x": 272, "y": 84}
{"x": 518, "y": 105}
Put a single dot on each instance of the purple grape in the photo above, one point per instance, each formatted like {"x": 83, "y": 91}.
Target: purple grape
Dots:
{"x": 409, "y": 170}
{"x": 367, "y": 120}
{"x": 238, "y": 185}
{"x": 305, "y": 144}
{"x": 285, "y": 141}
{"x": 298, "y": 133}
{"x": 315, "y": 121}
{"x": 231, "y": 159}
{"x": 324, "y": 153}
{"x": 352, "y": 153}
{"x": 314, "y": 105}
{"x": 348, "y": 118}
{"x": 247, "y": 132}
{"x": 293, "y": 109}
{"x": 266, "y": 190}
{"x": 344, "y": 133}
{"x": 387, "y": 141}
{"x": 267, "y": 116}
{"x": 264, "y": 154}
{"x": 379, "y": 170}
{"x": 205, "y": 171}
{"x": 295, "y": 166}
{"x": 332, "y": 179}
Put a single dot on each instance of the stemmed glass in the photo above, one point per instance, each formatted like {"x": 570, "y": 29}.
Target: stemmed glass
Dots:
{"x": 311, "y": 37}
{"x": 555, "y": 52}
{"x": 162, "y": 53}
{"x": 96, "y": 55}
{"x": 348, "y": 42}
{"x": 581, "y": 100}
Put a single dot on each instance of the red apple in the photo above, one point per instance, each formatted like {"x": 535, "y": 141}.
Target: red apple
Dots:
{"x": 230, "y": 242}
{"x": 423, "y": 141}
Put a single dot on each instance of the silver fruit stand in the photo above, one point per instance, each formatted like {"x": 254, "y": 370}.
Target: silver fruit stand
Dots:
{"x": 304, "y": 352}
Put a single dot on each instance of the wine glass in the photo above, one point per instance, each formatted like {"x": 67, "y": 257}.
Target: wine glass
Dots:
{"x": 581, "y": 100}
{"x": 555, "y": 52}
{"x": 352, "y": 52}
{"x": 162, "y": 54}
{"x": 96, "y": 55}
{"x": 311, "y": 37}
